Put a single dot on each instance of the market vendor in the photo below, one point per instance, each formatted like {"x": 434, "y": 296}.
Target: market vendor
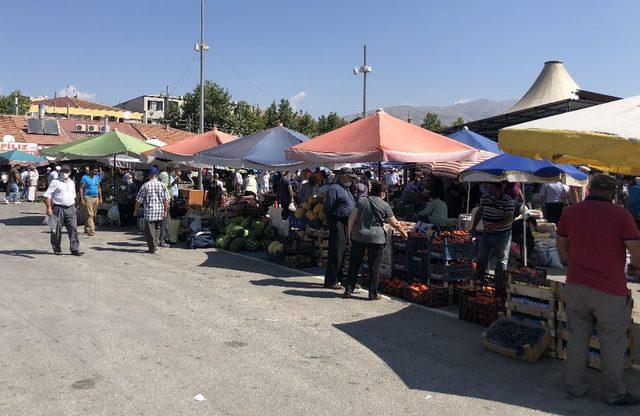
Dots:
{"x": 496, "y": 212}
{"x": 436, "y": 211}
{"x": 593, "y": 238}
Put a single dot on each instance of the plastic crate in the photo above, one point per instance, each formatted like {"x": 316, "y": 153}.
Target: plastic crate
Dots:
{"x": 479, "y": 313}
{"x": 418, "y": 265}
{"x": 446, "y": 251}
{"x": 417, "y": 243}
{"x": 297, "y": 223}
{"x": 435, "y": 297}
{"x": 299, "y": 261}
{"x": 399, "y": 243}
{"x": 451, "y": 272}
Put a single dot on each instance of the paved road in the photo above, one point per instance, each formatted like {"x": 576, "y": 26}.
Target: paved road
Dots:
{"x": 118, "y": 332}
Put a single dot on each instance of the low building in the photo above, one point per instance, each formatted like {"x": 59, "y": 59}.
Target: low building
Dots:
{"x": 24, "y": 129}
{"x": 151, "y": 106}
{"x": 75, "y": 108}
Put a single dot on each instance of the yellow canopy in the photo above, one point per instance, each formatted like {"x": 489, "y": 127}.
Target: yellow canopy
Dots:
{"x": 606, "y": 136}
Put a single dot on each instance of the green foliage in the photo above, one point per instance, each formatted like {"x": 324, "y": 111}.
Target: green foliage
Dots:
{"x": 431, "y": 122}
{"x": 217, "y": 107}
{"x": 459, "y": 122}
{"x": 7, "y": 103}
{"x": 330, "y": 122}
{"x": 172, "y": 114}
{"x": 271, "y": 117}
{"x": 247, "y": 119}
{"x": 306, "y": 125}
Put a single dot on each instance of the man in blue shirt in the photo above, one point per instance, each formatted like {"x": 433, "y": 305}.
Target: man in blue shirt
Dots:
{"x": 338, "y": 204}
{"x": 633, "y": 198}
{"x": 91, "y": 198}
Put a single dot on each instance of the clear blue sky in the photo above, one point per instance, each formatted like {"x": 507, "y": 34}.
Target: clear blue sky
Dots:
{"x": 423, "y": 52}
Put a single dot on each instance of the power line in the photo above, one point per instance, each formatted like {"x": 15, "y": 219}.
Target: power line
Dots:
{"x": 256, "y": 86}
{"x": 175, "y": 87}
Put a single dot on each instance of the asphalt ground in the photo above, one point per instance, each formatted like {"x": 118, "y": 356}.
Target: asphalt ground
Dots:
{"x": 120, "y": 332}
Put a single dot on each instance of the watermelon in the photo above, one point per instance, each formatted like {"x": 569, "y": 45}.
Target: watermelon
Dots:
{"x": 236, "y": 244}
{"x": 236, "y": 231}
{"x": 237, "y": 220}
{"x": 269, "y": 233}
{"x": 255, "y": 234}
{"x": 258, "y": 225}
{"x": 220, "y": 242}
{"x": 250, "y": 244}
{"x": 265, "y": 243}
{"x": 224, "y": 243}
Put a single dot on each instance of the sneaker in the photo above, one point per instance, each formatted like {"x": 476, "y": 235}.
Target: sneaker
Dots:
{"x": 6, "y": 201}
{"x": 347, "y": 294}
{"x": 334, "y": 287}
{"x": 151, "y": 251}
{"x": 627, "y": 400}
{"x": 57, "y": 253}
{"x": 18, "y": 202}
{"x": 76, "y": 253}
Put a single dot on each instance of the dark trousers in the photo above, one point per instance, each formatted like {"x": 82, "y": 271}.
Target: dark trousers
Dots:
{"x": 151, "y": 229}
{"x": 553, "y": 211}
{"x": 338, "y": 253}
{"x": 165, "y": 228}
{"x": 126, "y": 215}
{"x": 374, "y": 255}
{"x": 66, "y": 216}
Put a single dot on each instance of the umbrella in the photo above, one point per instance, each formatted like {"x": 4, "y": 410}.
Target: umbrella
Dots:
{"x": 108, "y": 144}
{"x": 183, "y": 151}
{"x": 506, "y": 167}
{"x": 381, "y": 138}
{"x": 475, "y": 140}
{"x": 262, "y": 150}
{"x": 20, "y": 158}
{"x": 605, "y": 136}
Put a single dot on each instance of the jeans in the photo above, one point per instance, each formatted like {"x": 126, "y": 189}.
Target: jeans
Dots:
{"x": 25, "y": 192}
{"x": 13, "y": 192}
{"x": 497, "y": 244}
{"x": 165, "y": 229}
{"x": 374, "y": 257}
{"x": 66, "y": 216}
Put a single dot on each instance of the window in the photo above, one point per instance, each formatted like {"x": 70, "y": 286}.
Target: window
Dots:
{"x": 154, "y": 105}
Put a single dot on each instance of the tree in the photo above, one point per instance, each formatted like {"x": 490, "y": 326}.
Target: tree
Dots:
{"x": 459, "y": 122}
{"x": 330, "y": 122}
{"x": 286, "y": 115}
{"x": 247, "y": 119}
{"x": 172, "y": 114}
{"x": 431, "y": 122}
{"x": 271, "y": 117}
{"x": 7, "y": 103}
{"x": 306, "y": 125}
{"x": 218, "y": 109}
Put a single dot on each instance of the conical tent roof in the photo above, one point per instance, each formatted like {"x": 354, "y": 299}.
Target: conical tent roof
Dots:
{"x": 18, "y": 157}
{"x": 553, "y": 84}
{"x": 184, "y": 150}
{"x": 606, "y": 136}
{"x": 381, "y": 138}
{"x": 262, "y": 150}
{"x": 108, "y": 144}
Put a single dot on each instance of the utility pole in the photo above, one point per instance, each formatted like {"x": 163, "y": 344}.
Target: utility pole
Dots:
{"x": 201, "y": 47}
{"x": 166, "y": 107}
{"x": 364, "y": 69}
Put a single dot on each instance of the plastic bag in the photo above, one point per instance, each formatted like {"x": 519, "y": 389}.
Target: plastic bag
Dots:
{"x": 53, "y": 223}
{"x": 196, "y": 224}
{"x": 113, "y": 213}
{"x": 292, "y": 207}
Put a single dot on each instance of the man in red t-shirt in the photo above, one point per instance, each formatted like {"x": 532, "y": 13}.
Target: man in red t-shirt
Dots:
{"x": 593, "y": 237}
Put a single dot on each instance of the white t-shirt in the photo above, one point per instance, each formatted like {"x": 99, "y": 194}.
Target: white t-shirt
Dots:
{"x": 554, "y": 192}
{"x": 392, "y": 178}
{"x": 61, "y": 192}
{"x": 237, "y": 179}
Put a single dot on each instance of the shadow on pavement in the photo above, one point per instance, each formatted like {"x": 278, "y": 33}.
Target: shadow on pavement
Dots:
{"x": 125, "y": 244}
{"x": 121, "y": 250}
{"x": 226, "y": 260}
{"x": 29, "y": 254}
{"x": 435, "y": 356}
{"x": 327, "y": 294}
{"x": 31, "y": 220}
{"x": 286, "y": 283}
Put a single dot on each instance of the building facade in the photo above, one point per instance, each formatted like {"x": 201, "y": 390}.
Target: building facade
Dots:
{"x": 74, "y": 108}
{"x": 151, "y": 106}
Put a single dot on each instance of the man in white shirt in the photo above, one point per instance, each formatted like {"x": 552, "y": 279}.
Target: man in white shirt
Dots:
{"x": 553, "y": 198}
{"x": 60, "y": 199}
{"x": 238, "y": 182}
{"x": 392, "y": 177}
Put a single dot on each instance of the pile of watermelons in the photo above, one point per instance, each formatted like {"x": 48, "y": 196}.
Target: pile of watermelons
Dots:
{"x": 245, "y": 234}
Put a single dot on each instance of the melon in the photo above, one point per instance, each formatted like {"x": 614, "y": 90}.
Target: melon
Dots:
{"x": 236, "y": 244}
{"x": 318, "y": 208}
{"x": 307, "y": 206}
{"x": 299, "y": 213}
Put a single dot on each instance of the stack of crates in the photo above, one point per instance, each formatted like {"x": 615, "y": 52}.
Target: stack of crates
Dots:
{"x": 450, "y": 262}
{"x": 320, "y": 238}
{"x": 594, "y": 343}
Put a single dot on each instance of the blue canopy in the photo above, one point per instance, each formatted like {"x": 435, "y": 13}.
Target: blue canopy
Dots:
{"x": 475, "y": 140}
{"x": 18, "y": 157}
{"x": 262, "y": 150}
{"x": 512, "y": 168}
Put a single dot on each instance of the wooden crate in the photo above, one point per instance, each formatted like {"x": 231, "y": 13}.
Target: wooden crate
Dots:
{"x": 530, "y": 355}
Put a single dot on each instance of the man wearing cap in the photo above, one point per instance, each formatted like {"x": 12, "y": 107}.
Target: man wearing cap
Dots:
{"x": 593, "y": 238}
{"x": 91, "y": 198}
{"x": 154, "y": 198}
{"x": 60, "y": 199}
{"x": 338, "y": 204}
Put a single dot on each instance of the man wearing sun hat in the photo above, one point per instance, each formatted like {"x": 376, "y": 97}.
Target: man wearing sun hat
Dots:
{"x": 593, "y": 238}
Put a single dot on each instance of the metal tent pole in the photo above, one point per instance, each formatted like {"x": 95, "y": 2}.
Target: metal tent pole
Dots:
{"x": 524, "y": 224}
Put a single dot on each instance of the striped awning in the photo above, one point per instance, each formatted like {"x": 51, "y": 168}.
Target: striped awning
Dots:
{"x": 453, "y": 169}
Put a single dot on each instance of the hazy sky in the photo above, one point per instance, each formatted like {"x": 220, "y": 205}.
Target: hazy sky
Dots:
{"x": 423, "y": 52}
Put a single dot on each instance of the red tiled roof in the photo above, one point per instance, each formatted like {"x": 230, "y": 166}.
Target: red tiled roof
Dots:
{"x": 17, "y": 127}
{"x": 74, "y": 103}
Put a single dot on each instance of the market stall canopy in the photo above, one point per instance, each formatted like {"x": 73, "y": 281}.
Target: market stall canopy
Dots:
{"x": 453, "y": 169}
{"x": 513, "y": 168}
{"x": 183, "y": 151}
{"x": 108, "y": 144}
{"x": 20, "y": 158}
{"x": 475, "y": 140}
{"x": 381, "y": 138}
{"x": 262, "y": 150}
{"x": 605, "y": 136}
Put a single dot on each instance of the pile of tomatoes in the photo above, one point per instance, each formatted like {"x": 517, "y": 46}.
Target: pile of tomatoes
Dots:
{"x": 452, "y": 237}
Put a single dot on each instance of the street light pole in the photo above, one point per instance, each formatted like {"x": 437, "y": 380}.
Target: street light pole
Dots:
{"x": 201, "y": 47}
{"x": 364, "y": 70}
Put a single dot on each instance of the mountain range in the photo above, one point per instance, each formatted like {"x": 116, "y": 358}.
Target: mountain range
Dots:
{"x": 469, "y": 111}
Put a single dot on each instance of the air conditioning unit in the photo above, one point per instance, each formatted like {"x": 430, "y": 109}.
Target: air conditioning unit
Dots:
{"x": 81, "y": 127}
{"x": 104, "y": 129}
{"x": 92, "y": 128}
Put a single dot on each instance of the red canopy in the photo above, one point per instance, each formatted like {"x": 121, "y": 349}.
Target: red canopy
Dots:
{"x": 192, "y": 145}
{"x": 381, "y": 138}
